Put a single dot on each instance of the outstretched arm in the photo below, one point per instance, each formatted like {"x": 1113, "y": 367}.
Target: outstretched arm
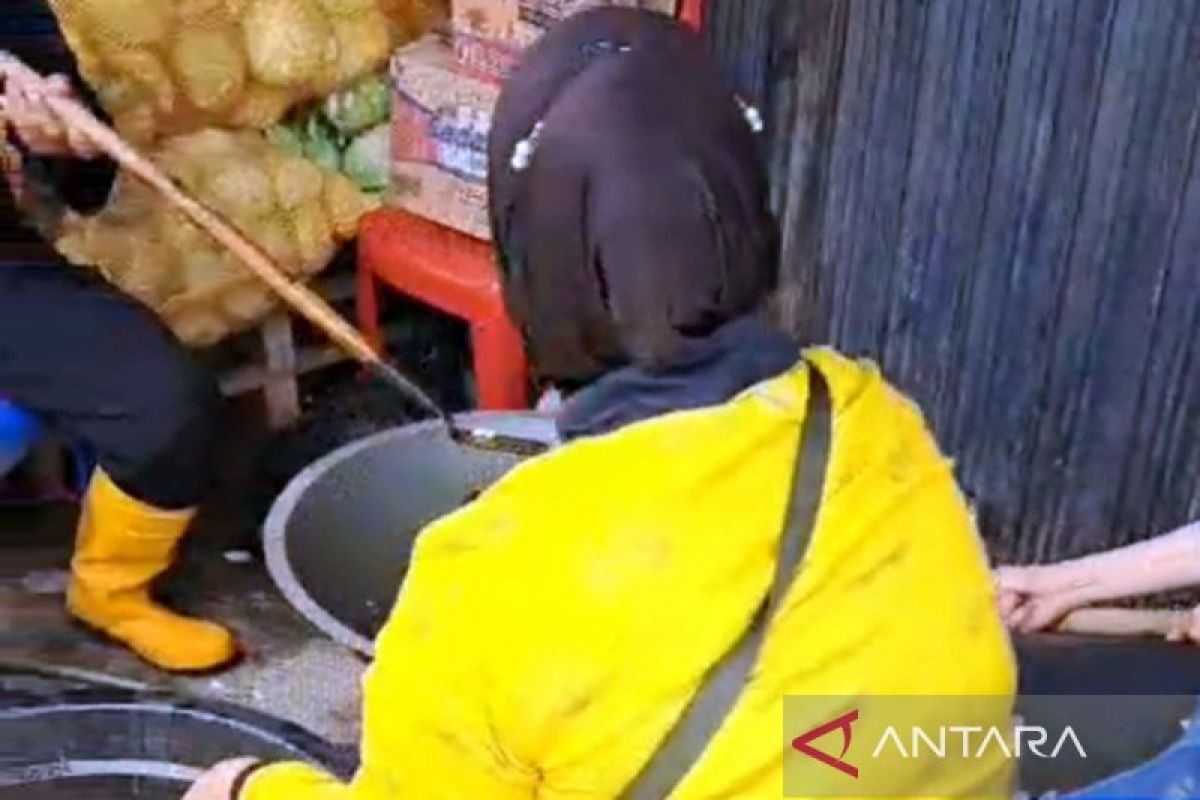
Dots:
{"x": 1033, "y": 598}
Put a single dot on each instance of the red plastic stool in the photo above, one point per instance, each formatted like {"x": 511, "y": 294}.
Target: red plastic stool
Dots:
{"x": 456, "y": 274}
{"x": 691, "y": 12}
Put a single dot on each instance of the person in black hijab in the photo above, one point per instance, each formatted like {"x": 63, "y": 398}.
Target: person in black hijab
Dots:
{"x": 629, "y": 211}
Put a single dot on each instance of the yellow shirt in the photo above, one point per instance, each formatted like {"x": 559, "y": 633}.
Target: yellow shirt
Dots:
{"x": 549, "y": 635}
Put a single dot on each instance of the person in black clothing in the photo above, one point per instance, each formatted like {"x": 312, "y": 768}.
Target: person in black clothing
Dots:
{"x": 100, "y": 367}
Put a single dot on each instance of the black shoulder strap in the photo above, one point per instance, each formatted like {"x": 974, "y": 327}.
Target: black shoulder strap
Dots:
{"x": 686, "y": 742}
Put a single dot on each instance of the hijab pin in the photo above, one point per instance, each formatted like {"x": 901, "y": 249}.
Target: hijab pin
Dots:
{"x": 523, "y": 153}
{"x": 753, "y": 116}
{"x": 604, "y": 47}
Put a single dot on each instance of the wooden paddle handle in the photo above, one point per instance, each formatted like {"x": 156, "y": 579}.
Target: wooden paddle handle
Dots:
{"x": 299, "y": 297}
{"x": 1123, "y": 622}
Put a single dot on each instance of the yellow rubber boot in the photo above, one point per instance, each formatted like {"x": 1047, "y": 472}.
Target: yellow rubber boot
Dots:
{"x": 123, "y": 545}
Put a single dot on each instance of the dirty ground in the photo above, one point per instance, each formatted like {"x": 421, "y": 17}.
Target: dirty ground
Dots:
{"x": 291, "y": 672}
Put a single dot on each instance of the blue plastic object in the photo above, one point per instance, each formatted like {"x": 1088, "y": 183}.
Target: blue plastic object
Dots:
{"x": 1175, "y": 773}
{"x": 18, "y": 430}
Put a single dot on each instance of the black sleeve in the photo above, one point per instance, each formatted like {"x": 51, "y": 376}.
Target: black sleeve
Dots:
{"x": 30, "y": 31}
{"x": 81, "y": 185}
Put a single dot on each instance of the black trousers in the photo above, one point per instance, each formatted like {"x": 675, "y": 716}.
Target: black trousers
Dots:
{"x": 100, "y": 367}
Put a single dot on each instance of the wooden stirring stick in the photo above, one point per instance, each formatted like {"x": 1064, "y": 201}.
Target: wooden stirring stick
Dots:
{"x": 299, "y": 297}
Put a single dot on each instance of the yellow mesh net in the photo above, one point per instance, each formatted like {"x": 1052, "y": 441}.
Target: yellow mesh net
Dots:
{"x": 175, "y": 66}
{"x": 194, "y": 84}
{"x": 296, "y": 211}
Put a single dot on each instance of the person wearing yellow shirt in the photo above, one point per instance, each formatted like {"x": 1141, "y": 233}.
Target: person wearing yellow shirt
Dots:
{"x": 553, "y": 636}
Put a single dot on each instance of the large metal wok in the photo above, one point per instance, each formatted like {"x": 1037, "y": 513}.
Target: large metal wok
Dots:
{"x": 338, "y": 539}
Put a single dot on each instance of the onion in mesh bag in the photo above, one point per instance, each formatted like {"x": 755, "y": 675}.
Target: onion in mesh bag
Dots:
{"x": 289, "y": 42}
{"x": 165, "y": 67}
{"x": 211, "y": 68}
{"x": 294, "y": 210}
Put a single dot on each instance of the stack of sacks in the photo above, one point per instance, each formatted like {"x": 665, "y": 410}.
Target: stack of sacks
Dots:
{"x": 175, "y": 66}
{"x": 296, "y": 211}
{"x": 195, "y": 84}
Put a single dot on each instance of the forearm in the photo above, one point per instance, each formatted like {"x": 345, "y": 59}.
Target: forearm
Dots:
{"x": 1164, "y": 563}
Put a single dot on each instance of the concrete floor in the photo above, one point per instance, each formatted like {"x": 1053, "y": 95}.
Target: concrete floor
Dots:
{"x": 291, "y": 670}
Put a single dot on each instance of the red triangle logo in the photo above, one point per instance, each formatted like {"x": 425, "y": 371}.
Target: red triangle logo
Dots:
{"x": 803, "y": 744}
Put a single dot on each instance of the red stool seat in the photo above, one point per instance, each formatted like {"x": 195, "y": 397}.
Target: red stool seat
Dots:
{"x": 454, "y": 273}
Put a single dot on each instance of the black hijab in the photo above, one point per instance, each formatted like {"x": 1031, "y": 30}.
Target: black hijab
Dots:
{"x": 628, "y": 201}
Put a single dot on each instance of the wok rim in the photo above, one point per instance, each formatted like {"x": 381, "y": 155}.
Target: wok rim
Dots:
{"x": 276, "y": 524}
{"x": 290, "y": 739}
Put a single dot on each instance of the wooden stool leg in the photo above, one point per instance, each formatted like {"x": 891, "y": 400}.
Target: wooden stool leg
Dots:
{"x": 281, "y": 390}
{"x": 501, "y": 372}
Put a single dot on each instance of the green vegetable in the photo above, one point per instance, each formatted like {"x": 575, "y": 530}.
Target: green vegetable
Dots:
{"x": 321, "y": 144}
{"x": 349, "y": 133}
{"x": 364, "y": 105}
{"x": 367, "y": 161}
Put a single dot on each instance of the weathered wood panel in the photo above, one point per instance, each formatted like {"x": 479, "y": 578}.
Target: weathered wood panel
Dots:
{"x": 1000, "y": 201}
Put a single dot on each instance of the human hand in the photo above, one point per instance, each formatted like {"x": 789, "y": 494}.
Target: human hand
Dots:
{"x": 28, "y": 114}
{"x": 1035, "y": 598}
{"x": 218, "y": 782}
{"x": 1186, "y": 627}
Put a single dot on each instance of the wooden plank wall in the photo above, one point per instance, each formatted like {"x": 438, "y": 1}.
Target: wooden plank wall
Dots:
{"x": 1000, "y": 201}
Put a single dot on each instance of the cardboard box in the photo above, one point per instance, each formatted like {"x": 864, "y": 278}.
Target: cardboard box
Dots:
{"x": 441, "y": 118}
{"x": 489, "y": 35}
